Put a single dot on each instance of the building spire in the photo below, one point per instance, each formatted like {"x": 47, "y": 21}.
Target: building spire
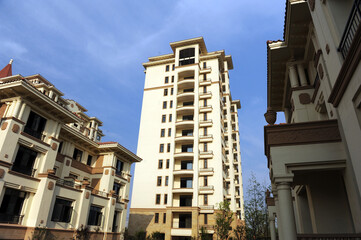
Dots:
{"x": 7, "y": 70}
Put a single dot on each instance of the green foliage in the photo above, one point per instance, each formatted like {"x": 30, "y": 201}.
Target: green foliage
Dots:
{"x": 83, "y": 233}
{"x": 156, "y": 236}
{"x": 203, "y": 235}
{"x": 256, "y": 210}
{"x": 42, "y": 233}
{"x": 224, "y": 219}
{"x": 239, "y": 232}
{"x": 140, "y": 235}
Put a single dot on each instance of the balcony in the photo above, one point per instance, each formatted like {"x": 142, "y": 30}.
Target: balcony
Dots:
{"x": 185, "y": 96}
{"x": 207, "y": 108}
{"x": 68, "y": 183}
{"x": 205, "y": 82}
{"x": 186, "y": 138}
{"x": 207, "y": 69}
{"x": 182, "y": 190}
{"x": 203, "y": 95}
{"x": 206, "y": 171}
{"x": 206, "y": 154}
{"x": 205, "y": 123}
{"x": 351, "y": 28}
{"x": 206, "y": 189}
{"x": 183, "y": 172}
{"x": 184, "y": 123}
{"x": 100, "y": 193}
{"x": 185, "y": 83}
{"x": 206, "y": 138}
{"x": 185, "y": 108}
{"x": 183, "y": 155}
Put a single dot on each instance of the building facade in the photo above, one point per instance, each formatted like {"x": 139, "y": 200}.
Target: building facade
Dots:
{"x": 55, "y": 172}
{"x": 314, "y": 77}
{"x": 189, "y": 141}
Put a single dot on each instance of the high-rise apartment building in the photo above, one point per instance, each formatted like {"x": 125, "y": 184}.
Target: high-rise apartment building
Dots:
{"x": 189, "y": 143}
{"x": 55, "y": 173}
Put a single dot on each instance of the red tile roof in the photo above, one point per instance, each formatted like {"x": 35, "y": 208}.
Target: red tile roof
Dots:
{"x": 6, "y": 71}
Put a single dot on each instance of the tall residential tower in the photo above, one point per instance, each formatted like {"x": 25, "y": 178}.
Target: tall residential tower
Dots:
{"x": 189, "y": 143}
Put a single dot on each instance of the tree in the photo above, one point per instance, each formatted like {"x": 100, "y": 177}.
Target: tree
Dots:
{"x": 224, "y": 219}
{"x": 256, "y": 210}
{"x": 240, "y": 231}
{"x": 204, "y": 235}
{"x": 156, "y": 236}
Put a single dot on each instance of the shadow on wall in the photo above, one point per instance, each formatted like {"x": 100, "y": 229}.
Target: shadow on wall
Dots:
{"x": 138, "y": 222}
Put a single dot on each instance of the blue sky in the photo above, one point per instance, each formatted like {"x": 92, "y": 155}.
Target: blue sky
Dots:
{"x": 93, "y": 52}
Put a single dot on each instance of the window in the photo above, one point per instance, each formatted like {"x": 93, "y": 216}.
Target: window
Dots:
{"x": 187, "y": 165}
{"x": 157, "y": 199}
{"x": 185, "y": 220}
{"x": 116, "y": 188}
{"x": 205, "y": 103}
{"x": 167, "y": 164}
{"x": 172, "y": 79}
{"x": 165, "y": 198}
{"x": 160, "y": 163}
{"x": 205, "y": 182}
{"x": 159, "y": 181}
{"x": 187, "y": 132}
{"x": 161, "y": 148}
{"x": 188, "y": 103}
{"x": 165, "y": 92}
{"x": 164, "y": 104}
{"x": 204, "y": 64}
{"x": 162, "y": 132}
{"x": 173, "y": 67}
{"x": 171, "y": 91}
{"x": 205, "y": 163}
{"x": 169, "y": 132}
{"x": 187, "y": 118}
{"x": 24, "y": 161}
{"x": 170, "y": 117}
{"x": 205, "y": 76}
{"x": 205, "y": 217}
{"x": 186, "y": 56}
{"x": 11, "y": 206}
{"x": 171, "y": 104}
{"x": 205, "y": 131}
{"x": 168, "y": 147}
{"x": 205, "y": 116}
{"x": 95, "y": 216}
{"x": 62, "y": 211}
{"x": 156, "y": 218}
{"x": 89, "y": 160}
{"x": 166, "y": 181}
{"x": 166, "y": 79}
{"x": 186, "y": 182}
{"x": 187, "y": 148}
{"x": 205, "y": 199}
{"x": 35, "y": 125}
{"x": 167, "y": 68}
{"x": 77, "y": 154}
{"x": 205, "y": 147}
{"x": 60, "y": 147}
{"x": 119, "y": 167}
{"x": 164, "y": 217}
{"x": 185, "y": 200}
{"x": 163, "y": 118}
{"x": 204, "y": 89}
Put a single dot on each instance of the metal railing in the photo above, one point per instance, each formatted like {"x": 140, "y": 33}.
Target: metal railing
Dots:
{"x": 100, "y": 193}
{"x": 330, "y": 236}
{"x": 67, "y": 183}
{"x": 210, "y": 169}
{"x": 206, "y": 188}
{"x": 351, "y": 28}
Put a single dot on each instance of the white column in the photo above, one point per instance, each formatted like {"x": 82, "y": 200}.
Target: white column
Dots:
{"x": 17, "y": 108}
{"x": 302, "y": 75}
{"x": 22, "y": 109}
{"x": 288, "y": 226}
{"x": 293, "y": 76}
{"x": 272, "y": 226}
{"x": 279, "y": 223}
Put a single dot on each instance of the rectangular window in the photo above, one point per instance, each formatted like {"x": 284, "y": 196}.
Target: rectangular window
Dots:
{"x": 160, "y": 163}
{"x": 161, "y": 148}
{"x": 186, "y": 56}
{"x": 165, "y": 198}
{"x": 163, "y": 118}
{"x": 24, "y": 161}
{"x": 205, "y": 147}
{"x": 171, "y": 104}
{"x": 205, "y": 76}
{"x": 185, "y": 200}
{"x": 156, "y": 218}
{"x": 205, "y": 218}
{"x": 187, "y": 148}
{"x": 95, "y": 216}
{"x": 172, "y": 79}
{"x": 205, "y": 163}
{"x": 164, "y": 217}
{"x": 171, "y": 91}
{"x": 169, "y": 132}
{"x": 89, "y": 160}
{"x": 162, "y": 132}
{"x": 60, "y": 147}
{"x": 116, "y": 188}
{"x": 167, "y": 164}
{"x": 170, "y": 117}
{"x": 35, "y": 125}
{"x": 168, "y": 147}
{"x": 205, "y": 131}
{"x": 204, "y": 64}
{"x": 205, "y": 182}
{"x": 205, "y": 199}
{"x": 165, "y": 92}
{"x": 119, "y": 167}
{"x": 166, "y": 79}
{"x": 62, "y": 211}
{"x": 205, "y": 116}
{"x": 167, "y": 68}
{"x": 187, "y": 165}
{"x": 186, "y": 182}
{"x": 159, "y": 181}
{"x": 173, "y": 67}
{"x": 205, "y": 103}
{"x": 11, "y": 206}
{"x": 166, "y": 180}
{"x": 77, "y": 154}
{"x": 157, "y": 199}
{"x": 164, "y": 104}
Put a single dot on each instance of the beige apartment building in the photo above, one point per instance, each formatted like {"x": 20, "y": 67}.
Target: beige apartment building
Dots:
{"x": 189, "y": 143}
{"x": 55, "y": 172}
{"x": 314, "y": 78}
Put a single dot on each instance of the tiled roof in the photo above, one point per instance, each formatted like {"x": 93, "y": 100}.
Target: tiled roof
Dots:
{"x": 6, "y": 71}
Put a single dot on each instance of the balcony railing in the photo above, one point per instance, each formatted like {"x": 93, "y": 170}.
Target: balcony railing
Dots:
{"x": 210, "y": 169}
{"x": 331, "y": 236}
{"x": 100, "y": 193}
{"x": 351, "y": 28}
{"x": 68, "y": 183}
{"x": 36, "y": 134}
{"x": 206, "y": 207}
{"x": 26, "y": 171}
{"x": 205, "y": 188}
{"x": 10, "y": 218}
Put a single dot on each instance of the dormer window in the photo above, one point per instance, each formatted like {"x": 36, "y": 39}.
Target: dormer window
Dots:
{"x": 186, "y": 56}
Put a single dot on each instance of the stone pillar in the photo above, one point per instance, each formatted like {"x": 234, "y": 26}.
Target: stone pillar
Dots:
{"x": 275, "y": 196}
{"x": 288, "y": 224}
{"x": 83, "y": 207}
{"x": 17, "y": 108}
{"x": 21, "y": 113}
{"x": 293, "y": 76}
{"x": 302, "y": 75}
{"x": 272, "y": 226}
